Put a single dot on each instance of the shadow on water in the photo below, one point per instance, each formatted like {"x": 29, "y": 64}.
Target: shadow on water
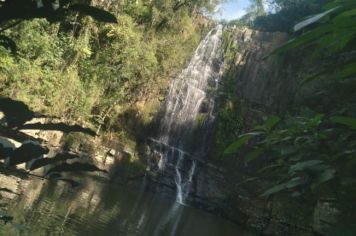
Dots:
{"x": 67, "y": 207}
{"x": 98, "y": 209}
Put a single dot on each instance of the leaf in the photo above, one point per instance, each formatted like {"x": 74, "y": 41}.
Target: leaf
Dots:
{"x": 316, "y": 120}
{"x": 287, "y": 150}
{"x": 292, "y": 183}
{"x": 274, "y": 190}
{"x": 254, "y": 154}
{"x": 344, "y": 120}
{"x": 232, "y": 148}
{"x": 269, "y": 124}
{"x": 270, "y": 168}
{"x": 347, "y": 71}
{"x": 94, "y": 12}
{"x": 340, "y": 72}
{"x": 300, "y": 166}
{"x": 295, "y": 182}
{"x": 312, "y": 19}
{"x": 252, "y": 134}
{"x": 326, "y": 176}
{"x": 304, "y": 39}
{"x": 351, "y": 12}
{"x": 296, "y": 194}
{"x": 302, "y": 140}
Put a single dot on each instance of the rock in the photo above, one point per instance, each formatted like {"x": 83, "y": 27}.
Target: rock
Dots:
{"x": 53, "y": 138}
{"x": 262, "y": 80}
{"x": 112, "y": 152}
{"x": 325, "y": 215}
{"x": 12, "y": 184}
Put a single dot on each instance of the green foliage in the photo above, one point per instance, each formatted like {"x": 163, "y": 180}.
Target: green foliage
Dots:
{"x": 13, "y": 12}
{"x": 229, "y": 119}
{"x": 229, "y": 125}
{"x": 125, "y": 62}
{"x": 258, "y": 130}
{"x": 309, "y": 152}
{"x": 238, "y": 143}
{"x": 79, "y": 143}
{"x": 334, "y": 34}
{"x": 82, "y": 70}
{"x": 348, "y": 121}
{"x": 38, "y": 75}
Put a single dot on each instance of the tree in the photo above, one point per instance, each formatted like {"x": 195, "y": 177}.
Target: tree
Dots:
{"x": 12, "y": 12}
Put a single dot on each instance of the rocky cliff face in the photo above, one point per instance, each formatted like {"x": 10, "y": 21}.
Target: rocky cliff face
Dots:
{"x": 265, "y": 80}
{"x": 263, "y": 85}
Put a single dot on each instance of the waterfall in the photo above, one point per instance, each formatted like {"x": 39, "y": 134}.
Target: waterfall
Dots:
{"x": 189, "y": 101}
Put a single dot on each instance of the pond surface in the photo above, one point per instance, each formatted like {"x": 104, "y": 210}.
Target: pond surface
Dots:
{"x": 99, "y": 209}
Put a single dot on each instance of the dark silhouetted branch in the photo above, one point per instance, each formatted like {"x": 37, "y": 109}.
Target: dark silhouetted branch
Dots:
{"x": 59, "y": 127}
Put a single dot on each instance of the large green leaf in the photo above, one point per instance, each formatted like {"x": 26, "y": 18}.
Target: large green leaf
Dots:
{"x": 347, "y": 71}
{"x": 316, "y": 120}
{"x": 301, "y": 166}
{"x": 287, "y": 150}
{"x": 335, "y": 33}
{"x": 345, "y": 18}
{"x": 304, "y": 39}
{"x": 269, "y": 125}
{"x": 294, "y": 182}
{"x": 242, "y": 140}
{"x": 336, "y": 41}
{"x": 344, "y": 120}
{"x": 274, "y": 189}
{"x": 326, "y": 176}
{"x": 270, "y": 168}
{"x": 272, "y": 122}
{"x": 312, "y": 19}
{"x": 345, "y": 4}
{"x": 235, "y": 146}
{"x": 254, "y": 154}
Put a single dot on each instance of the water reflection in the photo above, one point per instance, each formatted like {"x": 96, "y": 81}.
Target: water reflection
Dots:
{"x": 99, "y": 209}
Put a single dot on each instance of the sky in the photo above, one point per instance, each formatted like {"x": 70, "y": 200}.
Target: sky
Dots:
{"x": 231, "y": 10}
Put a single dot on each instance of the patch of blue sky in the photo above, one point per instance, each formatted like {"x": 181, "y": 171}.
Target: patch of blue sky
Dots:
{"x": 231, "y": 10}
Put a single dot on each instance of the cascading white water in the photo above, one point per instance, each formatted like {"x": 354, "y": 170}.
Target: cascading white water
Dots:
{"x": 178, "y": 179}
{"x": 182, "y": 108}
